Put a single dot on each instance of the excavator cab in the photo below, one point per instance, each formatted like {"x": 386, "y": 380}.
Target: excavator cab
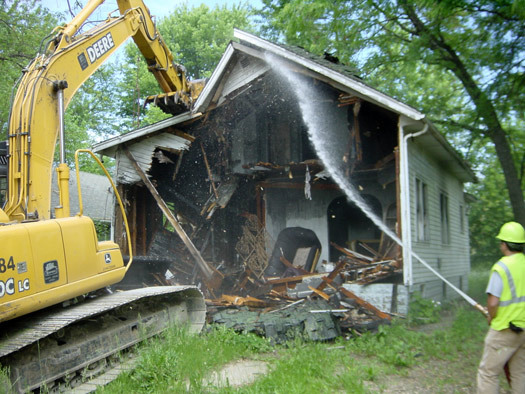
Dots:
{"x": 45, "y": 262}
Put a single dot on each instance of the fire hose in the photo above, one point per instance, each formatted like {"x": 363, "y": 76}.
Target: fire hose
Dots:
{"x": 464, "y": 295}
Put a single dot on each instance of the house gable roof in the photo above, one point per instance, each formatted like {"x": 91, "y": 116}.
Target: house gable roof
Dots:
{"x": 245, "y": 61}
{"x": 337, "y": 75}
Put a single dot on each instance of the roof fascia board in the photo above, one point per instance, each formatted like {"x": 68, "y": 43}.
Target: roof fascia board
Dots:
{"x": 207, "y": 93}
{"x": 109, "y": 145}
{"x": 368, "y": 92}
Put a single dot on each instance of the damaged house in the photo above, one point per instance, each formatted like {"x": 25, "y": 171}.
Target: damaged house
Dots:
{"x": 235, "y": 196}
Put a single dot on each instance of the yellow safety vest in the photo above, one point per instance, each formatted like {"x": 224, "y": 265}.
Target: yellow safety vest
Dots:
{"x": 512, "y": 301}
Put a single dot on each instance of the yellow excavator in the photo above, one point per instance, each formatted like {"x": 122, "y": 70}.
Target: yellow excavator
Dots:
{"x": 47, "y": 256}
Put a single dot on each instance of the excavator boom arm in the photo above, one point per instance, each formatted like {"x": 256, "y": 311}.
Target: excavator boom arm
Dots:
{"x": 35, "y": 119}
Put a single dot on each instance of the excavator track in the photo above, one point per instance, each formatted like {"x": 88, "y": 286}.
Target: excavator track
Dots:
{"x": 46, "y": 350}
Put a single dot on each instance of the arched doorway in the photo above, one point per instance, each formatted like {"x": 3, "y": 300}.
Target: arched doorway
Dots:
{"x": 349, "y": 227}
{"x": 299, "y": 246}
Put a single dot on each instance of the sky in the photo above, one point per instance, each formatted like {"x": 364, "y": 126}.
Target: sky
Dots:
{"x": 158, "y": 8}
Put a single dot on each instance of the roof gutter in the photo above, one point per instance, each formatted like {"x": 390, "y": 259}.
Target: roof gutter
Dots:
{"x": 406, "y": 223}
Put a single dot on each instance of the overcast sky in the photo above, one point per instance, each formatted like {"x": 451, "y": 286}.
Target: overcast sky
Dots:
{"x": 157, "y": 8}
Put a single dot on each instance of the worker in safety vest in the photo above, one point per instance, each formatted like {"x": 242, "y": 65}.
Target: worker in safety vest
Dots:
{"x": 505, "y": 341}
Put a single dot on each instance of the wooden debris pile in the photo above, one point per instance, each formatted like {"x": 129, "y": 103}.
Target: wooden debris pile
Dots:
{"x": 296, "y": 300}
{"x": 314, "y": 305}
{"x": 364, "y": 270}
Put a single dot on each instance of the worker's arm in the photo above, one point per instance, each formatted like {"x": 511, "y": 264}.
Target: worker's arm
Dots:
{"x": 494, "y": 289}
{"x": 492, "y": 306}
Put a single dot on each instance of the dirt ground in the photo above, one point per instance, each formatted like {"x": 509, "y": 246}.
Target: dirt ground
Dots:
{"x": 238, "y": 373}
{"x": 435, "y": 376}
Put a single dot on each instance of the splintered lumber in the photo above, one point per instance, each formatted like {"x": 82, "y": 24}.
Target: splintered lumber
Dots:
{"x": 241, "y": 301}
{"x": 351, "y": 253}
{"x": 331, "y": 276}
{"x": 290, "y": 265}
{"x": 282, "y": 284}
{"x": 290, "y": 279}
{"x": 288, "y": 306}
{"x": 369, "y": 273}
{"x": 364, "y": 304}
{"x": 347, "y": 100}
{"x": 213, "y": 277}
{"x": 389, "y": 249}
{"x": 320, "y": 293}
{"x": 368, "y": 248}
{"x": 364, "y": 269}
{"x": 208, "y": 169}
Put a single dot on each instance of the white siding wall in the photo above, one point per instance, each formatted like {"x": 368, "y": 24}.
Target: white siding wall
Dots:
{"x": 244, "y": 71}
{"x": 289, "y": 208}
{"x": 450, "y": 260}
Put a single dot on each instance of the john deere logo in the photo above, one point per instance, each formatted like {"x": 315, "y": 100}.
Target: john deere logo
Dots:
{"x": 96, "y": 51}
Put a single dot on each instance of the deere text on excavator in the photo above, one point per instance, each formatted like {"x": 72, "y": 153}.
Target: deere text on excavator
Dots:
{"x": 47, "y": 256}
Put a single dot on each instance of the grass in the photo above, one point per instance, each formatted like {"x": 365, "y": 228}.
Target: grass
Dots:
{"x": 404, "y": 354}
{"x": 179, "y": 362}
{"x": 401, "y": 353}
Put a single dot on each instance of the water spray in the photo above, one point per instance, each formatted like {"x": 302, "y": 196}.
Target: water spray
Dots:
{"x": 315, "y": 126}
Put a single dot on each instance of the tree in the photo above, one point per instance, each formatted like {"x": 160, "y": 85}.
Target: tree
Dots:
{"x": 197, "y": 37}
{"x": 490, "y": 210}
{"x": 92, "y": 115}
{"x": 461, "y": 61}
{"x": 23, "y": 25}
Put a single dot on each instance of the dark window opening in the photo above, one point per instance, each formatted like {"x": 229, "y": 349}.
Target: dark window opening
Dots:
{"x": 350, "y": 228}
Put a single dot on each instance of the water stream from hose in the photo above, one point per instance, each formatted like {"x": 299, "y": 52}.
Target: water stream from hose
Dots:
{"x": 321, "y": 136}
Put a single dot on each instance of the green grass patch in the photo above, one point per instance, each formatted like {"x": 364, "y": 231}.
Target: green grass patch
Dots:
{"x": 311, "y": 368}
{"x": 423, "y": 310}
{"x": 5, "y": 383}
{"x": 178, "y": 361}
{"x": 478, "y": 280}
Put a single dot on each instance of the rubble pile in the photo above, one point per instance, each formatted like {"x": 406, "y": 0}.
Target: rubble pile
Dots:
{"x": 312, "y": 305}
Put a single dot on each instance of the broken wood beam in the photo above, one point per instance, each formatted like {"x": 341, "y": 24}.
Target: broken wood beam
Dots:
{"x": 327, "y": 282}
{"x": 300, "y": 270}
{"x": 212, "y": 276}
{"x": 388, "y": 250}
{"x": 290, "y": 279}
{"x": 358, "y": 146}
{"x": 320, "y": 293}
{"x": 364, "y": 304}
{"x": 331, "y": 276}
{"x": 364, "y": 245}
{"x": 177, "y": 166}
{"x": 242, "y": 301}
{"x": 208, "y": 169}
{"x": 350, "y": 253}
